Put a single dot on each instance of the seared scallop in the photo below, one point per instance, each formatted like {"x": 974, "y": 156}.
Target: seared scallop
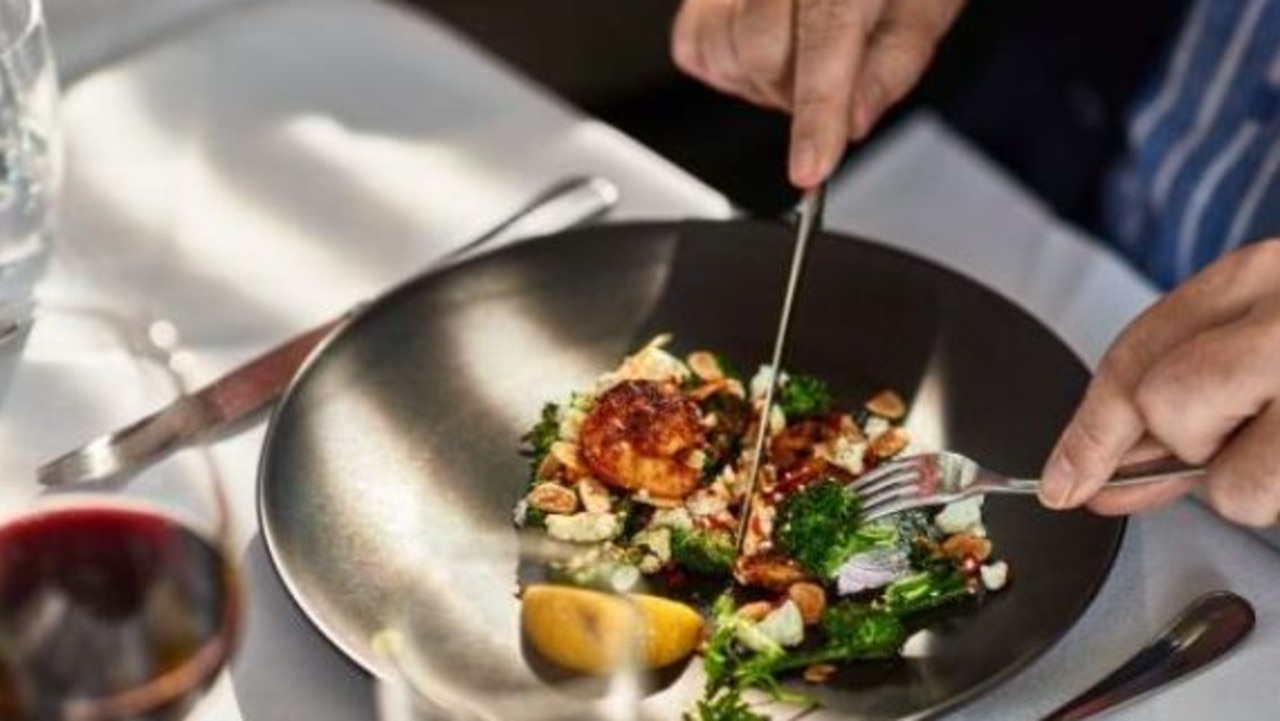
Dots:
{"x": 641, "y": 436}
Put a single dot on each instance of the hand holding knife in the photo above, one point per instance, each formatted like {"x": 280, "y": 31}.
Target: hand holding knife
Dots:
{"x": 810, "y": 220}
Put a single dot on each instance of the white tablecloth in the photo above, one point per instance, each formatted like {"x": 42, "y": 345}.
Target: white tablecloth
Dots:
{"x": 265, "y": 169}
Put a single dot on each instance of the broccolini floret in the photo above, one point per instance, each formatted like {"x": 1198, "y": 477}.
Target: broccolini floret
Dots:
{"x": 804, "y": 396}
{"x": 539, "y": 438}
{"x": 702, "y": 551}
{"x": 818, "y": 527}
{"x": 926, "y": 590}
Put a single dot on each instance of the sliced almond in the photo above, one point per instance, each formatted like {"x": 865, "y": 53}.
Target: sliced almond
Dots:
{"x": 967, "y": 545}
{"x": 849, "y": 428}
{"x": 887, "y": 404}
{"x": 549, "y": 467}
{"x": 705, "y": 365}
{"x": 819, "y": 672}
{"x": 553, "y": 498}
{"x": 567, "y": 454}
{"x": 595, "y": 497}
{"x": 708, "y": 389}
{"x": 810, "y": 598}
{"x": 890, "y": 443}
{"x": 756, "y": 610}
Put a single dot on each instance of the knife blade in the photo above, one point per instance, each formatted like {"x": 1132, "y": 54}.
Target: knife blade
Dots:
{"x": 237, "y": 396}
{"x": 810, "y": 220}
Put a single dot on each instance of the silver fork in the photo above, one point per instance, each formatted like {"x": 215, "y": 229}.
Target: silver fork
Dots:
{"x": 934, "y": 479}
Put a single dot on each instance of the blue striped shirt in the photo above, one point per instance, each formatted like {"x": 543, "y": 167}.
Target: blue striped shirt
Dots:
{"x": 1201, "y": 173}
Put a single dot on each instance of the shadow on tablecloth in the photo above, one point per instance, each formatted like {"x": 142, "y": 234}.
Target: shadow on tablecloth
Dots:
{"x": 285, "y": 670}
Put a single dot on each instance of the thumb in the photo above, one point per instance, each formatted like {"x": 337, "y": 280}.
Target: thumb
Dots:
{"x": 1104, "y": 428}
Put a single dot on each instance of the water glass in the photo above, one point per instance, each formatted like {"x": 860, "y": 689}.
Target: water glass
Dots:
{"x": 30, "y": 159}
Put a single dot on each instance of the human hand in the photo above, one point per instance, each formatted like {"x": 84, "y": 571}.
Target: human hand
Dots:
{"x": 837, "y": 65}
{"x": 1197, "y": 375}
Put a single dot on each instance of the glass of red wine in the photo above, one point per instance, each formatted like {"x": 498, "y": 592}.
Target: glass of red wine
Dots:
{"x": 117, "y": 599}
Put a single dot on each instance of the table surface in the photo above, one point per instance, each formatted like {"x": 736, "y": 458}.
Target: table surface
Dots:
{"x": 243, "y": 184}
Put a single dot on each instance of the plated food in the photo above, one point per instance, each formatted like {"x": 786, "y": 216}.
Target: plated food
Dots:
{"x": 645, "y": 476}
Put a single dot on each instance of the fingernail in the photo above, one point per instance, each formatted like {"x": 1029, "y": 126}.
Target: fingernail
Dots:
{"x": 1057, "y": 482}
{"x": 804, "y": 164}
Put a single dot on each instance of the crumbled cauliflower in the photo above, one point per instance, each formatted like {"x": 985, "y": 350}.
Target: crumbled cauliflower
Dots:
{"x": 571, "y": 423}
{"x": 760, "y": 381}
{"x": 845, "y": 453}
{"x": 777, "y": 421}
{"x": 784, "y": 625}
{"x": 961, "y": 517}
{"x": 875, "y": 426}
{"x": 583, "y": 527}
{"x": 994, "y": 575}
{"x": 671, "y": 518}
{"x": 657, "y": 541}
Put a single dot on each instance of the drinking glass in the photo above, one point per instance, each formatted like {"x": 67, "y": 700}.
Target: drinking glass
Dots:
{"x": 457, "y": 648}
{"x": 30, "y": 157}
{"x": 117, "y": 600}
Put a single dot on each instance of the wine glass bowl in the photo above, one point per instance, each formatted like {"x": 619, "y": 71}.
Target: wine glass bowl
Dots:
{"x": 454, "y": 649}
{"x": 117, "y": 601}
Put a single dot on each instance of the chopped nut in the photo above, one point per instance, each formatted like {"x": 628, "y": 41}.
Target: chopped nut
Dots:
{"x": 549, "y": 467}
{"x": 552, "y": 498}
{"x": 967, "y": 545}
{"x": 595, "y": 497}
{"x": 736, "y": 389}
{"x": 567, "y": 454}
{"x": 890, "y": 443}
{"x": 849, "y": 429}
{"x": 708, "y": 501}
{"x": 819, "y": 672}
{"x": 810, "y": 599}
{"x": 708, "y": 389}
{"x": 756, "y": 610}
{"x": 888, "y": 405}
{"x": 774, "y": 573}
{"x": 705, "y": 365}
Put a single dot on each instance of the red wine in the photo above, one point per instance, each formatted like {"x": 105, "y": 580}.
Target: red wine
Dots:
{"x": 106, "y": 602}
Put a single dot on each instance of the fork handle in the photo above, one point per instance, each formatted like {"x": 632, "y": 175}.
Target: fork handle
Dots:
{"x": 1133, "y": 474}
{"x": 1161, "y": 469}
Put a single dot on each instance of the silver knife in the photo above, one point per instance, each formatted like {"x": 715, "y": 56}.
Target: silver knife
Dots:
{"x": 224, "y": 404}
{"x": 810, "y": 220}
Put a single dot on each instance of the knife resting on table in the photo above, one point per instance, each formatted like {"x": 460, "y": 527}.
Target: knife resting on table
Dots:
{"x": 238, "y": 396}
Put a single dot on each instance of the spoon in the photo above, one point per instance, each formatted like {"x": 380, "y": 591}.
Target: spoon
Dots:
{"x": 1207, "y": 629}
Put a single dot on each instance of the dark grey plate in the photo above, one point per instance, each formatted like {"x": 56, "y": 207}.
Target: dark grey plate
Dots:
{"x": 398, "y": 441}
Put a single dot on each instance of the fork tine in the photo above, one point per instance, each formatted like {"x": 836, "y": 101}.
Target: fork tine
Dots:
{"x": 905, "y": 476}
{"x": 906, "y": 491}
{"x": 890, "y": 508}
{"x": 876, "y": 474}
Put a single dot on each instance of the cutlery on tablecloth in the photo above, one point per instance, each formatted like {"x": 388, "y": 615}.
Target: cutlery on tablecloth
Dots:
{"x": 256, "y": 385}
{"x": 1206, "y": 630}
{"x": 808, "y": 223}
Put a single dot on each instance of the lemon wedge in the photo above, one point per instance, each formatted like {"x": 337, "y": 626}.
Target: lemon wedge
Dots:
{"x": 595, "y": 633}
